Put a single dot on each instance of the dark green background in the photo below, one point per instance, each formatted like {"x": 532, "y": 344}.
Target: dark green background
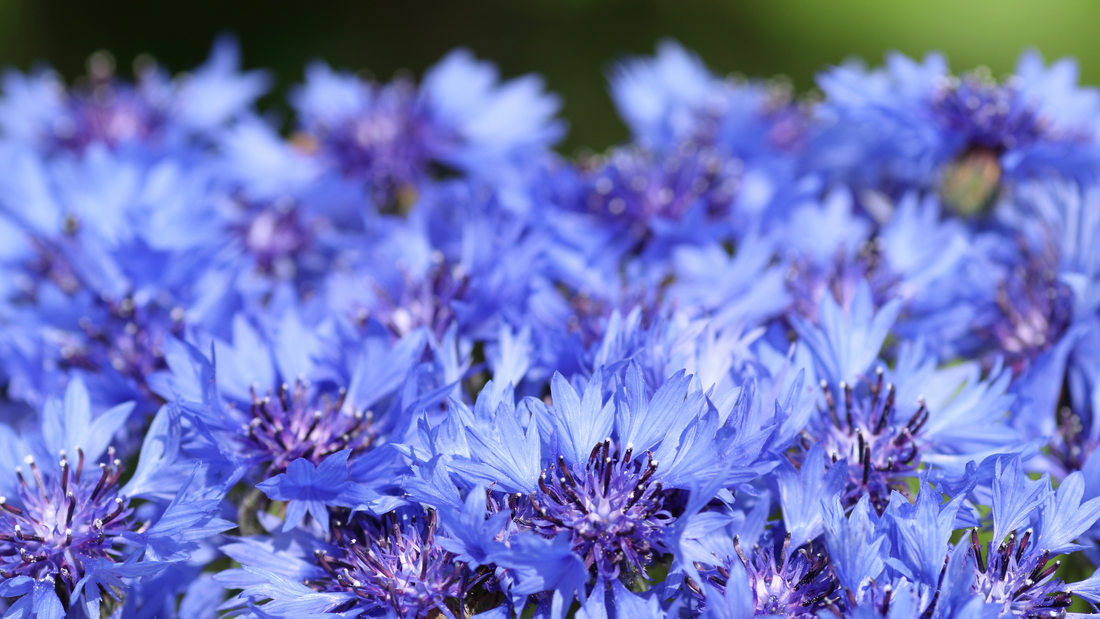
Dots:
{"x": 571, "y": 42}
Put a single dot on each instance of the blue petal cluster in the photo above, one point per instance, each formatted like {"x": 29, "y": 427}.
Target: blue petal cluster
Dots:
{"x": 772, "y": 357}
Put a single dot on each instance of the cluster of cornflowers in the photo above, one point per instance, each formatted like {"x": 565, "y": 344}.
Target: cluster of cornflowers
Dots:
{"x": 772, "y": 356}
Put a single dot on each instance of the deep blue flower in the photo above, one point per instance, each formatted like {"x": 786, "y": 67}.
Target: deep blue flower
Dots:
{"x": 576, "y": 474}
{"x": 68, "y": 522}
{"x": 461, "y": 117}
{"x": 441, "y": 264}
{"x": 104, "y": 270}
{"x": 783, "y": 582}
{"x": 154, "y": 116}
{"x": 912, "y": 125}
{"x": 886, "y": 425}
{"x": 1012, "y": 570}
{"x": 650, "y": 201}
{"x": 290, "y": 392}
{"x": 371, "y": 567}
{"x": 672, "y": 99}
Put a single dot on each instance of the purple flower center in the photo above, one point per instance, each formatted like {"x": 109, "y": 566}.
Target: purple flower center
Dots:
{"x": 809, "y": 282}
{"x": 393, "y": 568}
{"x": 126, "y": 337}
{"x": 1022, "y": 583}
{"x": 424, "y": 302}
{"x": 60, "y": 521}
{"x": 276, "y": 237}
{"x": 632, "y": 187}
{"x": 792, "y": 584}
{"x": 116, "y": 333}
{"x": 861, "y": 427}
{"x": 297, "y": 424}
{"x": 109, "y": 113}
{"x": 613, "y": 507}
{"x": 390, "y": 145}
{"x": 1072, "y": 444}
{"x": 989, "y": 115}
{"x": 1034, "y": 310}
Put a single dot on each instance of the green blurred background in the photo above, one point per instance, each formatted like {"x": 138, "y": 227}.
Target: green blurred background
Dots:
{"x": 571, "y": 42}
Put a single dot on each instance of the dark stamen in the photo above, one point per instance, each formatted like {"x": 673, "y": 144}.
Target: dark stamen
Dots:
{"x": 118, "y": 510}
{"x": 976, "y": 546}
{"x": 102, "y": 480}
{"x": 848, "y": 405}
{"x": 830, "y": 403}
{"x": 79, "y": 464}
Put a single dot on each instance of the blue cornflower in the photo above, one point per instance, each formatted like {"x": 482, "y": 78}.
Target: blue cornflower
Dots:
{"x": 781, "y": 582}
{"x": 266, "y": 227}
{"x": 74, "y": 528}
{"x": 1028, "y": 312}
{"x": 649, "y": 201}
{"x": 441, "y": 264}
{"x": 912, "y": 125}
{"x": 576, "y": 474}
{"x": 904, "y": 253}
{"x": 831, "y": 251}
{"x": 154, "y": 116}
{"x": 370, "y": 567}
{"x": 672, "y": 99}
{"x": 289, "y": 395}
{"x": 1012, "y": 572}
{"x": 898, "y": 557}
{"x": 461, "y": 117}
{"x": 735, "y": 564}
{"x": 1046, "y": 308}
{"x": 886, "y": 423}
{"x": 104, "y": 270}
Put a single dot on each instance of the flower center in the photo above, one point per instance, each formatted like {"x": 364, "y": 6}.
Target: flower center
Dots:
{"x": 633, "y": 186}
{"x": 861, "y": 428}
{"x": 1035, "y": 309}
{"x": 62, "y": 521}
{"x": 295, "y": 424}
{"x": 392, "y": 568}
{"x": 391, "y": 145}
{"x": 790, "y": 585}
{"x": 613, "y": 508}
{"x": 109, "y": 113}
{"x": 809, "y": 282}
{"x": 276, "y": 238}
{"x": 1023, "y": 583}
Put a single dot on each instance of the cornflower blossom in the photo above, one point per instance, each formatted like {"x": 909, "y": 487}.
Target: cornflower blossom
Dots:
{"x": 100, "y": 273}
{"x": 886, "y": 424}
{"x": 649, "y": 201}
{"x": 272, "y": 397}
{"x": 441, "y": 265}
{"x": 673, "y": 99}
{"x": 919, "y": 127}
{"x": 408, "y": 562}
{"x": 154, "y": 117}
{"x": 396, "y": 137}
{"x": 1009, "y": 575}
{"x": 71, "y": 531}
{"x": 576, "y": 473}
